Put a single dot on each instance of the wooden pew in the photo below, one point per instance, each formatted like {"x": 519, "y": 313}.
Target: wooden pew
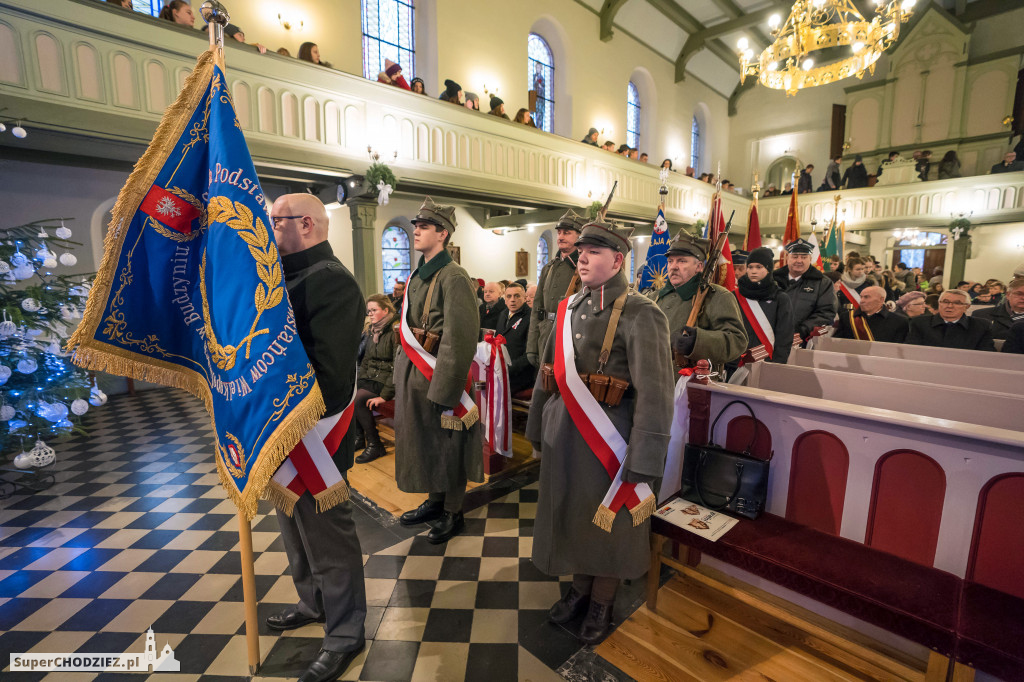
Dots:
{"x": 1003, "y": 381}
{"x": 900, "y": 396}
{"x": 904, "y": 522}
{"x": 946, "y": 356}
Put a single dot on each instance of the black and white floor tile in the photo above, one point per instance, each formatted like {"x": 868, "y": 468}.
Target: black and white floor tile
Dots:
{"x": 136, "y": 533}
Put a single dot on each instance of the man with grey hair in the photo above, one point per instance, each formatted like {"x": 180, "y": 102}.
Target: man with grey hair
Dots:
{"x": 873, "y": 321}
{"x": 1007, "y": 313}
{"x": 951, "y": 327}
{"x": 1009, "y": 164}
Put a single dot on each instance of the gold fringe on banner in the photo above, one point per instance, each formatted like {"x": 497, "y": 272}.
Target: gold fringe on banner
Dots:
{"x": 643, "y": 511}
{"x": 89, "y": 353}
{"x": 604, "y": 518}
{"x": 450, "y": 421}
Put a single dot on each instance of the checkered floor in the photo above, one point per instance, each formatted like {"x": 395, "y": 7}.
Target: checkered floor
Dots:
{"x": 136, "y": 532}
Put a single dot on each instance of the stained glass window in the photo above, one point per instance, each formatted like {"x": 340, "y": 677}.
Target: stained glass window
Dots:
{"x": 394, "y": 256}
{"x": 151, "y": 7}
{"x": 542, "y": 254}
{"x": 389, "y": 33}
{"x": 632, "y": 264}
{"x": 541, "y": 79}
{"x": 632, "y": 116}
{"x": 695, "y": 146}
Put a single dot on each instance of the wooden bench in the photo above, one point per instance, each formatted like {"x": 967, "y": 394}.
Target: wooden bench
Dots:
{"x": 944, "y": 356}
{"x": 904, "y": 522}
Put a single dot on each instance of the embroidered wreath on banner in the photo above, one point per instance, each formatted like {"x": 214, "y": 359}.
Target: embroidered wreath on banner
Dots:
{"x": 235, "y": 469}
{"x": 269, "y": 292}
{"x": 174, "y": 235}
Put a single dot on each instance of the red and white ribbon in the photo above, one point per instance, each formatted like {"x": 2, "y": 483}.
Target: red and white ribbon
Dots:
{"x": 758, "y": 321}
{"x": 465, "y": 414}
{"x": 598, "y": 432}
{"x": 851, "y": 294}
{"x": 496, "y": 410}
{"x": 310, "y": 465}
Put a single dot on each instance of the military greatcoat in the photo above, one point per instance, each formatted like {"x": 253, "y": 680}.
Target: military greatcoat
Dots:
{"x": 721, "y": 335}
{"x": 551, "y": 286}
{"x": 428, "y": 458}
{"x": 572, "y": 480}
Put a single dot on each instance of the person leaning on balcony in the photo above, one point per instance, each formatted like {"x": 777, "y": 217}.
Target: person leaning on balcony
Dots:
{"x": 472, "y": 101}
{"x": 392, "y": 75}
{"x": 949, "y": 167}
{"x": 832, "y": 179}
{"x": 608, "y": 146}
{"x": 856, "y": 175}
{"x": 232, "y": 31}
{"x": 523, "y": 116}
{"x": 123, "y": 4}
{"x": 498, "y": 107}
{"x": 591, "y": 137}
{"x": 310, "y": 52}
{"x": 452, "y": 92}
{"x": 1009, "y": 164}
{"x": 178, "y": 12}
{"x": 417, "y": 86}
{"x": 804, "y": 183}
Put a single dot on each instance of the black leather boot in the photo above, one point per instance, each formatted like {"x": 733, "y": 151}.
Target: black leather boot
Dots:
{"x": 569, "y": 606}
{"x": 597, "y": 622}
{"x": 446, "y": 527}
{"x": 428, "y": 511}
{"x": 360, "y": 438}
{"x": 372, "y": 452}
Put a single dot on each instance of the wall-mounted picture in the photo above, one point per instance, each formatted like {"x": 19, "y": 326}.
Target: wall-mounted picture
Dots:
{"x": 522, "y": 263}
{"x": 456, "y": 253}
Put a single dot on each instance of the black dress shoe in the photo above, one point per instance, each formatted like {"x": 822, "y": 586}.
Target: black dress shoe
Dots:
{"x": 597, "y": 623}
{"x": 372, "y": 452}
{"x": 445, "y": 528}
{"x": 428, "y": 511}
{"x": 360, "y": 440}
{"x": 290, "y": 619}
{"x": 329, "y": 665}
{"x": 569, "y": 606}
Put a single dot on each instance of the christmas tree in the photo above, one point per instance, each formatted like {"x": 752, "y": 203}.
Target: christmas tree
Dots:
{"x": 42, "y": 394}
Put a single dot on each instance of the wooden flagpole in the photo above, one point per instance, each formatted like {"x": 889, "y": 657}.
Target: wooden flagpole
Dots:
{"x": 217, "y": 18}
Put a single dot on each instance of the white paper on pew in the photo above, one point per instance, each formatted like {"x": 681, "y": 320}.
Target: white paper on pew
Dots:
{"x": 672, "y": 479}
{"x": 708, "y": 524}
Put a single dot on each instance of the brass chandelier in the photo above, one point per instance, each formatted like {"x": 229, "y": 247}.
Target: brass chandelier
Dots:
{"x": 814, "y": 25}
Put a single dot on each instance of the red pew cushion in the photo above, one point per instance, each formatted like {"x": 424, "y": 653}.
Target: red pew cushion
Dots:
{"x": 992, "y": 632}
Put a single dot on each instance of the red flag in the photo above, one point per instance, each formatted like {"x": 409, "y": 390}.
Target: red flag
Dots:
{"x": 753, "y": 239}
{"x": 726, "y": 273}
{"x": 792, "y": 227}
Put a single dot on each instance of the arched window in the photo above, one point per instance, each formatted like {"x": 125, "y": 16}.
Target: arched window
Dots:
{"x": 541, "y": 81}
{"x": 695, "y": 147}
{"x": 389, "y": 32}
{"x": 542, "y": 253}
{"x": 394, "y": 256}
{"x": 632, "y": 116}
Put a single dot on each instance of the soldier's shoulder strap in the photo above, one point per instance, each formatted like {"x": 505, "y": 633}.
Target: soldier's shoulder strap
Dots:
{"x": 609, "y": 333}
{"x": 426, "y": 301}
{"x": 574, "y": 285}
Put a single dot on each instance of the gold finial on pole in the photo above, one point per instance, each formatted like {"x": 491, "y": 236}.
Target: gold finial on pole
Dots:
{"x": 755, "y": 189}
{"x": 216, "y": 17}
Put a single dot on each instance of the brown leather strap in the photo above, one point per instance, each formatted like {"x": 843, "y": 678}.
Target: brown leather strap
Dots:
{"x": 426, "y": 303}
{"x": 609, "y": 333}
{"x": 574, "y": 285}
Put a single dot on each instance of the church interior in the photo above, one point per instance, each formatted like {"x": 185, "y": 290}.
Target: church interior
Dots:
{"x": 885, "y": 543}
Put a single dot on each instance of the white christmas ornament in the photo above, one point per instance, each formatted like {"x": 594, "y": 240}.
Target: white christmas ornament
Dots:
{"x": 39, "y": 456}
{"x": 56, "y": 412}
{"x": 68, "y": 259}
{"x": 7, "y": 413}
{"x": 24, "y": 271}
{"x": 63, "y": 232}
{"x": 7, "y": 327}
{"x": 97, "y": 397}
{"x": 5, "y": 374}
{"x": 79, "y": 407}
{"x": 27, "y": 365}
{"x": 43, "y": 253}
{"x": 30, "y": 305}
{"x": 18, "y": 259}
{"x": 4, "y": 267}
{"x": 50, "y": 263}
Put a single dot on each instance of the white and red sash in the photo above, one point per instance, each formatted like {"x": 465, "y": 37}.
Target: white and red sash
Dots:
{"x": 310, "y": 465}
{"x": 496, "y": 411}
{"x": 598, "y": 432}
{"x": 758, "y": 321}
{"x": 851, "y": 294}
{"x": 465, "y": 413}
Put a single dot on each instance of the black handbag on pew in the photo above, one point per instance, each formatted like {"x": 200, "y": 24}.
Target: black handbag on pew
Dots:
{"x": 723, "y": 480}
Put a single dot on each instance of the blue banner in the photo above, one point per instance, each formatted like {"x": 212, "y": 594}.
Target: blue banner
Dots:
{"x": 191, "y": 292}
{"x": 654, "y": 272}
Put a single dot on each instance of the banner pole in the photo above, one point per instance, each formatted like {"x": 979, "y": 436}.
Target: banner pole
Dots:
{"x": 252, "y": 631}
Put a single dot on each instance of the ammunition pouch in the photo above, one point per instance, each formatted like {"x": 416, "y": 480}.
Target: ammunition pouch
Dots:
{"x": 605, "y": 389}
{"x": 429, "y": 340}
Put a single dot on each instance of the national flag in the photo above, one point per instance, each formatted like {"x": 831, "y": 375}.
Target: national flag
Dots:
{"x": 833, "y": 243}
{"x": 191, "y": 291}
{"x": 816, "y": 252}
{"x": 753, "y": 239}
{"x": 654, "y": 271}
{"x": 726, "y": 275}
{"x": 792, "y": 226}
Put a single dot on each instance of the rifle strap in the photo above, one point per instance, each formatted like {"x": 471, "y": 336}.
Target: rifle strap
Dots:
{"x": 426, "y": 302}
{"x": 574, "y": 285}
{"x": 609, "y": 332}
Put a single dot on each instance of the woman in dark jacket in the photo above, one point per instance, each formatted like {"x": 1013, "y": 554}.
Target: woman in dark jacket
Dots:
{"x": 949, "y": 167}
{"x": 760, "y": 289}
{"x": 856, "y": 175}
{"x": 376, "y": 384}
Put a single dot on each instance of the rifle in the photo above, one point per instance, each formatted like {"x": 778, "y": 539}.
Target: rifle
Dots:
{"x": 574, "y": 283}
{"x": 607, "y": 202}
